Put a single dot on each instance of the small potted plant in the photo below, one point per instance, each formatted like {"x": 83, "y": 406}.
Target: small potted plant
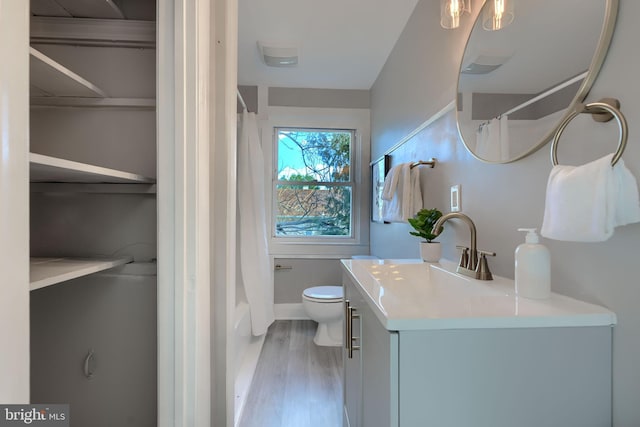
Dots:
{"x": 423, "y": 222}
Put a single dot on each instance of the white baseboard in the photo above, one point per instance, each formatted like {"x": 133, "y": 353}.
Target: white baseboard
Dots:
{"x": 290, "y": 312}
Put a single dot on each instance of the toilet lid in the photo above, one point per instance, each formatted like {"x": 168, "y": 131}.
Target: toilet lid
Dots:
{"x": 324, "y": 293}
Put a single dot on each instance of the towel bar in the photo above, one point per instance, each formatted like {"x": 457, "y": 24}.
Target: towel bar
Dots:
{"x": 431, "y": 162}
{"x": 604, "y": 106}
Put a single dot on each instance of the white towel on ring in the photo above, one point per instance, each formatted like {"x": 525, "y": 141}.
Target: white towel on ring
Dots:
{"x": 585, "y": 203}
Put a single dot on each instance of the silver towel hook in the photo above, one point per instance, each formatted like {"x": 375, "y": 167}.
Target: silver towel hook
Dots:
{"x": 599, "y": 110}
{"x": 88, "y": 367}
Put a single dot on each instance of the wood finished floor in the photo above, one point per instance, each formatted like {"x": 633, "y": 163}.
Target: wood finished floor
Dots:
{"x": 296, "y": 384}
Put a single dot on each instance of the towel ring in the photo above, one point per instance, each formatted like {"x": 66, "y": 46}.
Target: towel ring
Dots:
{"x": 594, "y": 108}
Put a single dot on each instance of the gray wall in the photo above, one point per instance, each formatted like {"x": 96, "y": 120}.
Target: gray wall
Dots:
{"x": 250, "y": 97}
{"x": 318, "y": 265}
{"x": 304, "y": 273}
{"x": 98, "y": 224}
{"x": 500, "y": 198}
{"x": 318, "y": 98}
{"x": 114, "y": 312}
{"x": 123, "y": 139}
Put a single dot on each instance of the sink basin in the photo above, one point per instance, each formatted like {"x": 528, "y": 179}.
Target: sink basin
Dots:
{"x": 436, "y": 278}
{"x": 411, "y": 294}
{"x": 397, "y": 274}
{"x": 455, "y": 283}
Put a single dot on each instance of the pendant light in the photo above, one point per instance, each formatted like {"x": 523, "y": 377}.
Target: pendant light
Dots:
{"x": 497, "y": 14}
{"x": 451, "y": 11}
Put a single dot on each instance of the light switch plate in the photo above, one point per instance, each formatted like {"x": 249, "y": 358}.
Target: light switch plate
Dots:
{"x": 456, "y": 198}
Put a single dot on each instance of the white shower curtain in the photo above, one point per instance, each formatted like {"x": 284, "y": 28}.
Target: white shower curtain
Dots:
{"x": 255, "y": 267}
{"x": 492, "y": 139}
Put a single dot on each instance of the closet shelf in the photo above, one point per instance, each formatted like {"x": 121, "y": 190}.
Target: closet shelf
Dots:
{"x": 74, "y": 101}
{"x": 51, "y": 169}
{"x": 78, "y": 8}
{"x": 49, "y": 78}
{"x": 49, "y": 271}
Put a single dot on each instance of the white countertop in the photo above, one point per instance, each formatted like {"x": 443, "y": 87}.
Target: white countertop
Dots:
{"x": 412, "y": 295}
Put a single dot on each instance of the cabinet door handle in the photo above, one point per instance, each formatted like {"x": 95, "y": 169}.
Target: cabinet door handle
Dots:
{"x": 347, "y": 324}
{"x": 352, "y": 315}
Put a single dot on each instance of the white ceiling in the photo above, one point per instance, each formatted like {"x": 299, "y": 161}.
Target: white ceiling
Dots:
{"x": 341, "y": 44}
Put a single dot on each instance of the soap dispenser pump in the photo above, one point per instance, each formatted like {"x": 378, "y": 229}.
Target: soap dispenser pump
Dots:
{"x": 533, "y": 267}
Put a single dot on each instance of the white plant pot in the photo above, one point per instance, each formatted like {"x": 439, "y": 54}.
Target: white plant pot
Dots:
{"x": 430, "y": 252}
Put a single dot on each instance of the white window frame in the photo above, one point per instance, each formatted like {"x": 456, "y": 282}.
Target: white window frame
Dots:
{"x": 322, "y": 118}
{"x": 351, "y": 183}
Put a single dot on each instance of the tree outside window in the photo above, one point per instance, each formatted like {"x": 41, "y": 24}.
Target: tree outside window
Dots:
{"x": 313, "y": 182}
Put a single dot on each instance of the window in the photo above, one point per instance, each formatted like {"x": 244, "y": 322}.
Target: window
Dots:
{"x": 313, "y": 183}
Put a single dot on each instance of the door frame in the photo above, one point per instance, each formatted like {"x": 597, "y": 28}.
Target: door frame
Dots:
{"x": 14, "y": 199}
{"x": 197, "y": 77}
{"x": 183, "y": 213}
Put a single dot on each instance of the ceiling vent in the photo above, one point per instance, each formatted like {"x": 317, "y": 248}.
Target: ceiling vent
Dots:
{"x": 275, "y": 55}
{"x": 484, "y": 64}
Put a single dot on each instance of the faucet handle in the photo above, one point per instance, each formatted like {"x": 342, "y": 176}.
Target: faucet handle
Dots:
{"x": 487, "y": 253}
{"x": 482, "y": 270}
{"x": 464, "y": 256}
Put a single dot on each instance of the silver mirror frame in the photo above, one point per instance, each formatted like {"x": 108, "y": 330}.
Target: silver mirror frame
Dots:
{"x": 608, "y": 26}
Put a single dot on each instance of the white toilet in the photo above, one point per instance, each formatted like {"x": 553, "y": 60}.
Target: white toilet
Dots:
{"x": 324, "y": 305}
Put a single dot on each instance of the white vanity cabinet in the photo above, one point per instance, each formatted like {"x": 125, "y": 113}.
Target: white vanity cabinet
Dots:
{"x": 371, "y": 373}
{"x": 463, "y": 375}
{"x": 351, "y": 362}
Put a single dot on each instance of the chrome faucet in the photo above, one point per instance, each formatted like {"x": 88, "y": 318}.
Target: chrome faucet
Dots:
{"x": 469, "y": 263}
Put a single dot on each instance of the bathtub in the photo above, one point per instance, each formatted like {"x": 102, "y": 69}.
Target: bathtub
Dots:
{"x": 247, "y": 351}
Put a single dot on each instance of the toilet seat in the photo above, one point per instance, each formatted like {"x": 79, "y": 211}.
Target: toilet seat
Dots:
{"x": 323, "y": 294}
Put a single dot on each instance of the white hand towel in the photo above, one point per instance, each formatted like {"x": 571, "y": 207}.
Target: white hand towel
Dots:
{"x": 416, "y": 192}
{"x": 391, "y": 182}
{"x": 407, "y": 196}
{"x": 585, "y": 203}
{"x": 627, "y": 199}
{"x": 396, "y": 194}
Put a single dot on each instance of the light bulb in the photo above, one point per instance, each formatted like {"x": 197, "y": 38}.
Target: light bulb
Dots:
{"x": 450, "y": 12}
{"x": 497, "y": 14}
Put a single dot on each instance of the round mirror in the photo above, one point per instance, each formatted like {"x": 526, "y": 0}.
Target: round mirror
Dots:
{"x": 518, "y": 83}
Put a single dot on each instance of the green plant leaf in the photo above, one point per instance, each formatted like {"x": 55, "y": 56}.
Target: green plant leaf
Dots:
{"x": 423, "y": 222}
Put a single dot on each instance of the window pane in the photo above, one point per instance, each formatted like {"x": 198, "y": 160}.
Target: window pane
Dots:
{"x": 314, "y": 155}
{"x": 313, "y": 210}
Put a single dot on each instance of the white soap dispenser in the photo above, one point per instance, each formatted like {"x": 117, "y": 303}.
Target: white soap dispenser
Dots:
{"x": 533, "y": 267}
